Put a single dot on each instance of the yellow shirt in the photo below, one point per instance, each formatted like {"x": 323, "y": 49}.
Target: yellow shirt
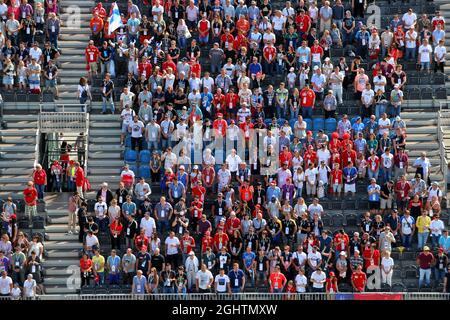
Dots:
{"x": 99, "y": 263}
{"x": 423, "y": 222}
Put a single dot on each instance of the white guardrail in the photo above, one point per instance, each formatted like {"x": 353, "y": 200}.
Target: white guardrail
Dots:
{"x": 251, "y": 296}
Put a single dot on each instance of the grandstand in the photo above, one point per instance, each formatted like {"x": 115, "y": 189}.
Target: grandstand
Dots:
{"x": 34, "y": 125}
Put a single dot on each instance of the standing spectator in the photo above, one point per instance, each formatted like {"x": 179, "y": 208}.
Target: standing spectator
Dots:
{"x": 407, "y": 229}
{"x": 30, "y": 195}
{"x": 359, "y": 280}
{"x": 425, "y": 260}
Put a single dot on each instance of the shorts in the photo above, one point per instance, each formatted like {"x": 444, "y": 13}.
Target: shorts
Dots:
{"x": 350, "y": 188}
{"x": 93, "y": 66}
{"x": 374, "y": 205}
{"x": 337, "y": 188}
{"x": 385, "y": 203}
{"x": 124, "y": 128}
{"x": 50, "y": 83}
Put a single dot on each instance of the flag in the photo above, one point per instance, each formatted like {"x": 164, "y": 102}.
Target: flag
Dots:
{"x": 114, "y": 19}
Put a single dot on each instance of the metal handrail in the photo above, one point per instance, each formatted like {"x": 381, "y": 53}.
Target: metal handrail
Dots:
{"x": 443, "y": 113}
{"x": 253, "y": 296}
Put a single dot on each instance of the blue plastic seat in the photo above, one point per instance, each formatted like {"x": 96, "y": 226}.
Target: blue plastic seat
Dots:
{"x": 144, "y": 156}
{"x": 309, "y": 124}
{"x": 267, "y": 122}
{"x": 144, "y": 172}
{"x": 128, "y": 141}
{"x": 330, "y": 125}
{"x": 133, "y": 168}
{"x": 292, "y": 123}
{"x": 281, "y": 122}
{"x": 130, "y": 156}
{"x": 318, "y": 124}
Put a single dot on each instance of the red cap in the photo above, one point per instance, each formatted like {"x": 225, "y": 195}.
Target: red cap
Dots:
{"x": 219, "y": 115}
{"x": 335, "y": 135}
{"x": 332, "y": 274}
{"x": 346, "y": 136}
{"x": 232, "y": 121}
{"x": 309, "y": 133}
{"x": 144, "y": 247}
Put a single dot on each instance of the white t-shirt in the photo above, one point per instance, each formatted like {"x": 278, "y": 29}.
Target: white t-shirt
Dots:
{"x": 233, "y": 162}
{"x": 409, "y": 19}
{"x": 278, "y": 22}
{"x": 387, "y": 160}
{"x": 318, "y": 277}
{"x": 386, "y": 263}
{"x": 172, "y": 245}
{"x": 222, "y": 282}
{"x": 28, "y": 288}
{"x": 315, "y": 208}
{"x": 424, "y": 52}
{"x": 127, "y": 98}
{"x": 410, "y": 39}
{"x": 148, "y": 225}
{"x": 127, "y": 115}
{"x": 441, "y": 52}
{"x": 5, "y": 284}
{"x": 301, "y": 280}
{"x": 91, "y": 240}
{"x": 367, "y": 96}
{"x": 136, "y": 129}
{"x": 323, "y": 155}
{"x": 314, "y": 258}
{"x": 204, "y": 278}
{"x": 382, "y": 122}
{"x": 379, "y": 82}
{"x": 312, "y": 175}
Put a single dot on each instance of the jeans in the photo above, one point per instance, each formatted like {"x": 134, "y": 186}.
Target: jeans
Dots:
{"x": 395, "y": 110}
{"x": 307, "y": 112}
{"x": 40, "y": 190}
{"x": 53, "y": 38}
{"x": 386, "y": 174}
{"x": 406, "y": 240}
{"x": 215, "y": 68}
{"x": 279, "y": 68}
{"x": 372, "y": 174}
{"x": 281, "y": 111}
{"x": 203, "y": 39}
{"x": 102, "y": 224}
{"x": 268, "y": 68}
{"x": 152, "y": 145}
{"x": 182, "y": 42}
{"x": 108, "y": 101}
{"x": 114, "y": 278}
{"x": 438, "y": 276}
{"x": 435, "y": 240}
{"x": 380, "y": 108}
{"x": 162, "y": 226}
{"x": 294, "y": 113}
{"x": 167, "y": 289}
{"x": 337, "y": 92}
{"x": 425, "y": 65}
{"x": 410, "y": 54}
{"x": 338, "y": 23}
{"x": 422, "y": 239}
{"x": 101, "y": 278}
{"x": 347, "y": 38}
{"x": 424, "y": 274}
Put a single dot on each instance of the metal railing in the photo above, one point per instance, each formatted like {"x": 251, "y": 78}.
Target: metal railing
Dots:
{"x": 63, "y": 122}
{"x": 254, "y": 296}
{"x": 443, "y": 121}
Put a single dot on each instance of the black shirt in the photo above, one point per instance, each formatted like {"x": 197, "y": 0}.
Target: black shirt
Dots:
{"x": 157, "y": 262}
{"x": 142, "y": 261}
{"x": 132, "y": 229}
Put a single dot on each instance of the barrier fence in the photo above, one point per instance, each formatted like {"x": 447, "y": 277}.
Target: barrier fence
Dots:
{"x": 252, "y": 296}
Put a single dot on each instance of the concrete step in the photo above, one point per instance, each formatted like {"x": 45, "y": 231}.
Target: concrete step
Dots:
{"x": 105, "y": 163}
{"x": 102, "y": 155}
{"x": 16, "y": 164}
{"x": 22, "y": 125}
{"x": 17, "y": 133}
{"x": 113, "y": 148}
{"x": 105, "y": 133}
{"x": 96, "y": 124}
{"x": 104, "y": 117}
{"x": 54, "y": 254}
{"x": 15, "y": 179}
{"x": 97, "y": 180}
{"x": 62, "y": 236}
{"x": 56, "y": 290}
{"x": 63, "y": 245}
{"x": 105, "y": 171}
{"x": 10, "y": 187}
{"x": 18, "y": 140}
{"x": 61, "y": 263}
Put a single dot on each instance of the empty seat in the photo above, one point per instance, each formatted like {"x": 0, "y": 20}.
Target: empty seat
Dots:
{"x": 413, "y": 94}
{"x": 35, "y": 97}
{"x": 398, "y": 287}
{"x": 144, "y": 156}
{"x": 413, "y": 81}
{"x": 130, "y": 156}
{"x": 426, "y": 93}
{"x": 318, "y": 124}
{"x": 441, "y": 93}
{"x": 351, "y": 220}
{"x": 21, "y": 96}
{"x": 330, "y": 125}
{"x": 439, "y": 78}
{"x": 144, "y": 172}
{"x": 337, "y": 220}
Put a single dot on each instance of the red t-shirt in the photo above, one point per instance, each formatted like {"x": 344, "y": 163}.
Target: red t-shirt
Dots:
{"x": 92, "y": 54}
{"x": 200, "y": 192}
{"x": 269, "y": 53}
{"x": 187, "y": 243}
{"x": 307, "y": 97}
{"x": 221, "y": 127}
{"x": 207, "y": 242}
{"x": 359, "y": 280}
{"x": 276, "y": 280}
{"x": 336, "y": 176}
{"x": 197, "y": 206}
{"x": 221, "y": 240}
{"x": 303, "y": 23}
{"x": 30, "y": 196}
{"x": 79, "y": 177}
{"x": 85, "y": 264}
{"x": 39, "y": 176}
{"x": 373, "y": 164}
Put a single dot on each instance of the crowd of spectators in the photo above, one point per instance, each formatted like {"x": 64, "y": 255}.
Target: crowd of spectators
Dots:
{"x": 228, "y": 220}
{"x": 29, "y": 32}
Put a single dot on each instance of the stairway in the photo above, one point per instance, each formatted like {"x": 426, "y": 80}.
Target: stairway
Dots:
{"x": 17, "y": 151}
{"x": 61, "y": 262}
{"x": 105, "y": 152}
{"x": 421, "y": 128}
{"x": 444, "y": 7}
{"x": 73, "y": 43}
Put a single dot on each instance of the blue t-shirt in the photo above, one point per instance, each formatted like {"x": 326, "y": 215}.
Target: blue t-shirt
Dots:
{"x": 236, "y": 275}
{"x": 304, "y": 54}
{"x": 139, "y": 284}
{"x": 248, "y": 258}
{"x": 273, "y": 192}
{"x": 374, "y": 196}
{"x": 254, "y": 68}
{"x": 352, "y": 173}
